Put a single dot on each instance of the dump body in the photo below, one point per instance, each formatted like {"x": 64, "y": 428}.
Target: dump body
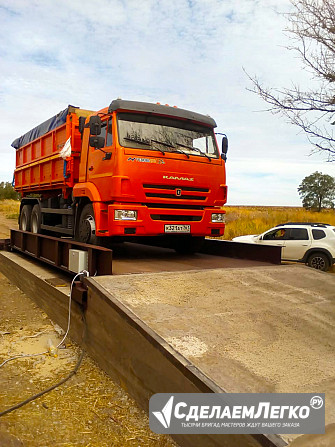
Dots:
{"x": 39, "y": 166}
{"x": 144, "y": 169}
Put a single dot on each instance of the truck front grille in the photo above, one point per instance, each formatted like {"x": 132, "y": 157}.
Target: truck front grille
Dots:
{"x": 175, "y": 192}
{"x": 173, "y": 206}
{"x": 175, "y": 217}
{"x": 183, "y": 188}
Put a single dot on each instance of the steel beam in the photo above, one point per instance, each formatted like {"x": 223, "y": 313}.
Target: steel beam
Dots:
{"x": 241, "y": 250}
{"x": 55, "y": 251}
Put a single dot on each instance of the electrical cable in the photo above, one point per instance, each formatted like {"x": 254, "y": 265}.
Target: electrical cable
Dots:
{"x": 56, "y": 385}
{"x": 66, "y": 333}
{"x": 83, "y": 272}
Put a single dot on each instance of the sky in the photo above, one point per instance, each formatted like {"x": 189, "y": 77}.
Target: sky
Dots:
{"x": 189, "y": 53}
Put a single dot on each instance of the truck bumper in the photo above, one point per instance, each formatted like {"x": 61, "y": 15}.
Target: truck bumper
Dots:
{"x": 153, "y": 221}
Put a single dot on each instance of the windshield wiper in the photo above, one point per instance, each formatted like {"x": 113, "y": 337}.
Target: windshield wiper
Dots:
{"x": 136, "y": 140}
{"x": 195, "y": 149}
{"x": 163, "y": 143}
{"x": 146, "y": 143}
{"x": 181, "y": 152}
{"x": 173, "y": 147}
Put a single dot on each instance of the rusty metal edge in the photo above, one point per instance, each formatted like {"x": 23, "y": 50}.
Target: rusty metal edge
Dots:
{"x": 241, "y": 250}
{"x": 5, "y": 244}
{"x": 95, "y": 252}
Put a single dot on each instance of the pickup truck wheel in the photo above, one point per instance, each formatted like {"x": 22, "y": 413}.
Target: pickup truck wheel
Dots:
{"x": 319, "y": 261}
{"x": 188, "y": 245}
{"x": 36, "y": 219}
{"x": 86, "y": 227}
{"x": 25, "y": 218}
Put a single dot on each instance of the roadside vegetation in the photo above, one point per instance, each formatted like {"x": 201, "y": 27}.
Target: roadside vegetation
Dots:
{"x": 8, "y": 192}
{"x": 10, "y": 208}
{"x": 242, "y": 220}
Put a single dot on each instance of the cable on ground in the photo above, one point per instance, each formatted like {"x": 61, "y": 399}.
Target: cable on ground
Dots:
{"x": 83, "y": 272}
{"x": 41, "y": 393}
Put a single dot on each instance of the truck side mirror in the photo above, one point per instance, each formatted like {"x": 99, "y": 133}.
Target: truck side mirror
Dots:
{"x": 97, "y": 142}
{"x": 224, "y": 148}
{"x": 95, "y": 125}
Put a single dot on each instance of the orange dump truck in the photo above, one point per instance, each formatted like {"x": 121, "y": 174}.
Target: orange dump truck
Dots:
{"x": 133, "y": 169}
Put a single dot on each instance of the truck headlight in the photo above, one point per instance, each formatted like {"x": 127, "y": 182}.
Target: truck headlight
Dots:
{"x": 125, "y": 215}
{"x": 218, "y": 217}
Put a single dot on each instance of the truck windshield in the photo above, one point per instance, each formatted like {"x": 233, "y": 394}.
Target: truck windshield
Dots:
{"x": 166, "y": 135}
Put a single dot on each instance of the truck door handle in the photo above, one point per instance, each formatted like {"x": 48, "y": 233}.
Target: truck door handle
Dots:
{"x": 90, "y": 168}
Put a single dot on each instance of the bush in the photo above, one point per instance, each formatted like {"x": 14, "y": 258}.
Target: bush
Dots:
{"x": 8, "y": 192}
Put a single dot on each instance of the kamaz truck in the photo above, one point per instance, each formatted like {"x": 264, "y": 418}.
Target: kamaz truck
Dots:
{"x": 131, "y": 170}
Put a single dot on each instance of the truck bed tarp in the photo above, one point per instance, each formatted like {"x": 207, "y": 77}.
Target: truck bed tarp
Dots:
{"x": 43, "y": 128}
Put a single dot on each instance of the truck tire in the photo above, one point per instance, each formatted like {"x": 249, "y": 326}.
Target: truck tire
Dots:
{"x": 188, "y": 245}
{"x": 25, "y": 218}
{"x": 36, "y": 219}
{"x": 319, "y": 261}
{"x": 86, "y": 226}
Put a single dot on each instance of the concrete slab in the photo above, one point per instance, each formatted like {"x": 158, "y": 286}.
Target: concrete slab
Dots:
{"x": 260, "y": 329}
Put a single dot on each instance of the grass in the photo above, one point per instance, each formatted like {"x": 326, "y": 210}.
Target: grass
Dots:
{"x": 10, "y": 208}
{"x": 242, "y": 220}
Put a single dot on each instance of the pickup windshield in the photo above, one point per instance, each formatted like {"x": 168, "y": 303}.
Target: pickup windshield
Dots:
{"x": 166, "y": 135}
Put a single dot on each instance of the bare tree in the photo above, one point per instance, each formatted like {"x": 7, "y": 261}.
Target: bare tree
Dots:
{"x": 312, "y": 29}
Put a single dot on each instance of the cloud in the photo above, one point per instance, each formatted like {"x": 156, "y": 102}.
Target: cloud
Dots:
{"x": 189, "y": 53}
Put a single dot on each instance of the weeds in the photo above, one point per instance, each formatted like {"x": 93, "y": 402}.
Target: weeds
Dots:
{"x": 242, "y": 220}
{"x": 10, "y": 208}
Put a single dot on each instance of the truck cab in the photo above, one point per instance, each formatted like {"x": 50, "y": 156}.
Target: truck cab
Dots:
{"x": 151, "y": 170}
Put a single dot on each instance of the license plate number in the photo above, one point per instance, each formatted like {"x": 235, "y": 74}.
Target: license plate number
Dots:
{"x": 177, "y": 228}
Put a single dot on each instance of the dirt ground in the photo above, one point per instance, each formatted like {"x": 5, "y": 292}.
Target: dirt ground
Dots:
{"x": 6, "y": 225}
{"x": 88, "y": 410}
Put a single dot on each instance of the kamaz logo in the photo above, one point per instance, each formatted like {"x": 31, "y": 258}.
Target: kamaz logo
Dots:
{"x": 171, "y": 177}
{"x": 147, "y": 160}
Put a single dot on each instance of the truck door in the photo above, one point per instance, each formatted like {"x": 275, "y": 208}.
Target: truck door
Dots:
{"x": 100, "y": 162}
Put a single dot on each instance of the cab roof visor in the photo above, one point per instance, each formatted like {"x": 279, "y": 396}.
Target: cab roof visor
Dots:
{"x": 147, "y": 107}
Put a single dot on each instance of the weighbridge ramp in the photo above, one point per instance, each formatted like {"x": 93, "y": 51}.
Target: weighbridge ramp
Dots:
{"x": 252, "y": 329}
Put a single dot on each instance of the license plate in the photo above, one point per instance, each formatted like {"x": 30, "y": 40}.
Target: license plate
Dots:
{"x": 177, "y": 228}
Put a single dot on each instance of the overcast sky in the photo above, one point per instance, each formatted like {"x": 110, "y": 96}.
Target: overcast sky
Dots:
{"x": 189, "y": 53}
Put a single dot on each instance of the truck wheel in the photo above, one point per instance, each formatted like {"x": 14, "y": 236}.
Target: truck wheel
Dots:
{"x": 319, "y": 261}
{"x": 188, "y": 245}
{"x": 36, "y": 219}
{"x": 25, "y": 218}
{"x": 86, "y": 226}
